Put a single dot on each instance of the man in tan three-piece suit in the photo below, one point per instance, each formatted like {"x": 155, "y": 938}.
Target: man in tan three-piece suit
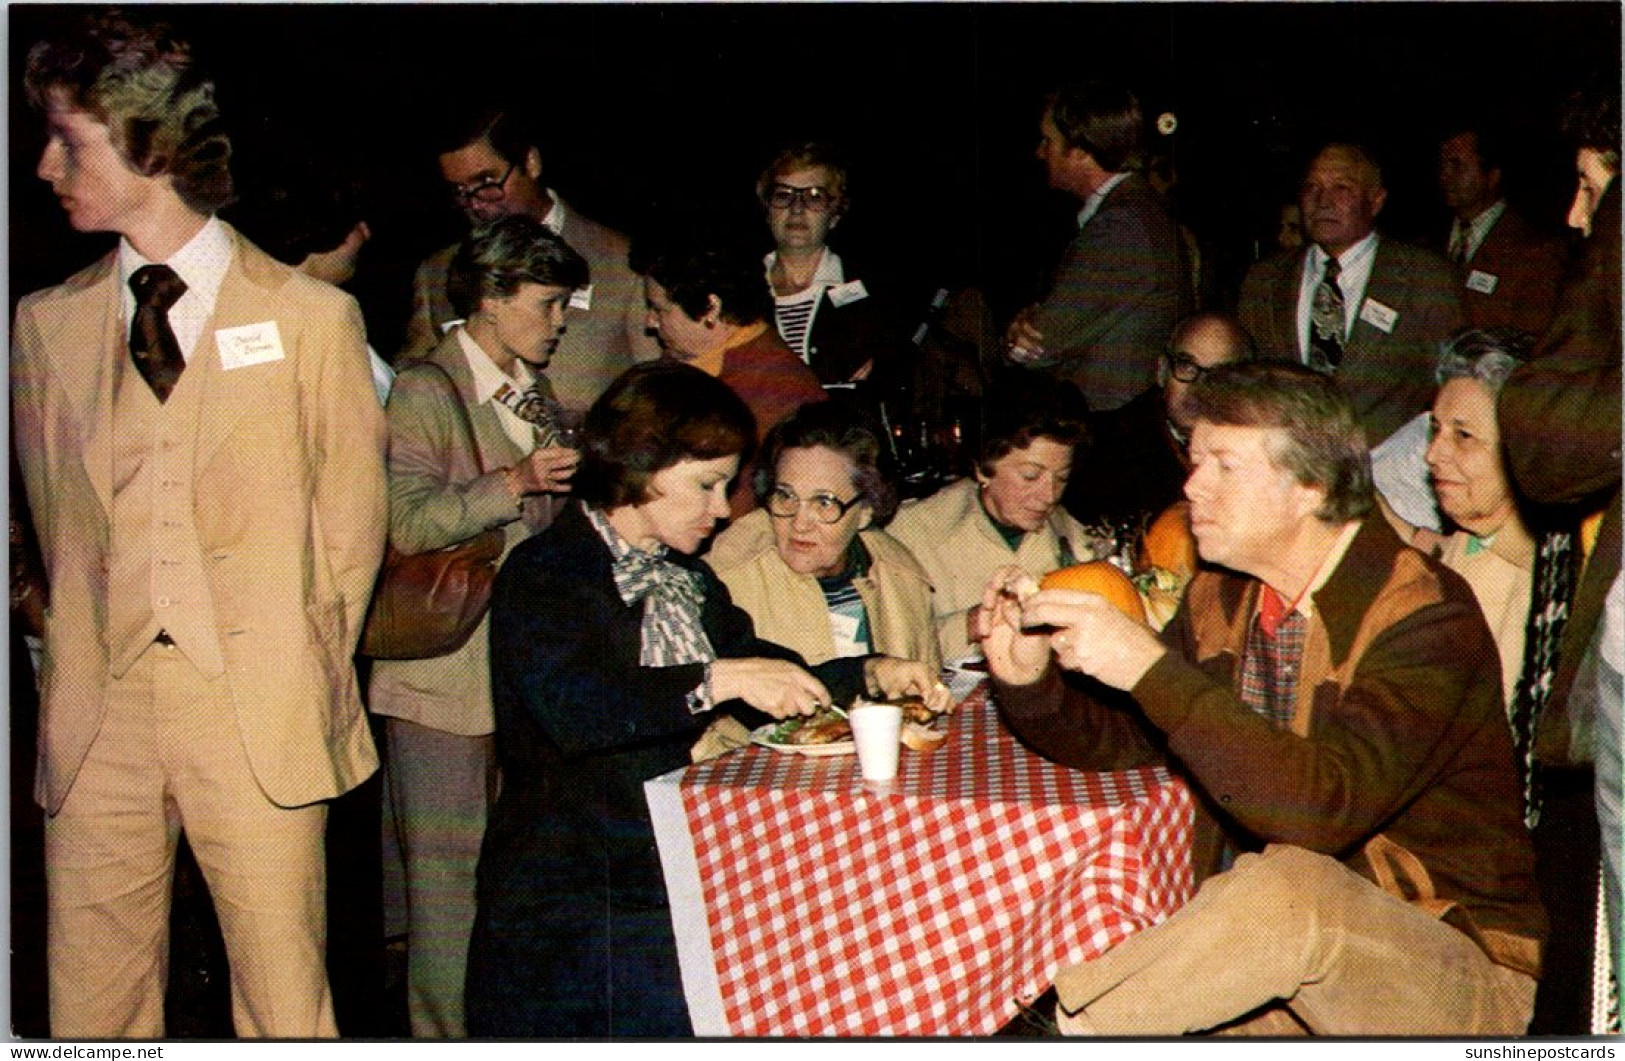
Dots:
{"x": 492, "y": 168}
{"x": 203, "y": 454}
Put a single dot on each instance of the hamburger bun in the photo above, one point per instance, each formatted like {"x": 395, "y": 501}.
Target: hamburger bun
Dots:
{"x": 1104, "y": 578}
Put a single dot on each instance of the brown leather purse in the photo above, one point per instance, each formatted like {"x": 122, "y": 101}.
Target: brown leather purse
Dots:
{"x": 429, "y": 604}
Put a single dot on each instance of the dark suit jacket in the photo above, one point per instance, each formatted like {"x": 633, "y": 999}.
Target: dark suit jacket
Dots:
{"x": 598, "y": 344}
{"x": 1130, "y": 467}
{"x": 1560, "y": 426}
{"x": 1388, "y": 375}
{"x": 580, "y": 726}
{"x": 1116, "y": 295}
{"x": 1527, "y": 265}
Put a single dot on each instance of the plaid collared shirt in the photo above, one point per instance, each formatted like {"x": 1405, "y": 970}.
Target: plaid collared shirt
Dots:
{"x": 1270, "y": 665}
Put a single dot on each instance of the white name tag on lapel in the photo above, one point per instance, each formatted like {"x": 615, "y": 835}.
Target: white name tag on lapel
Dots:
{"x": 1483, "y": 283}
{"x": 1379, "y": 316}
{"x": 847, "y": 293}
{"x": 581, "y": 298}
{"x": 248, "y": 344}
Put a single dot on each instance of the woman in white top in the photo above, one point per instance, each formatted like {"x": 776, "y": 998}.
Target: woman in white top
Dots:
{"x": 824, "y": 312}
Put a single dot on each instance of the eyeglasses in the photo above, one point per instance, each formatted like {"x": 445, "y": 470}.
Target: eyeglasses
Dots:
{"x": 1184, "y": 368}
{"x": 816, "y": 199}
{"x": 826, "y": 508}
{"x": 485, "y": 191}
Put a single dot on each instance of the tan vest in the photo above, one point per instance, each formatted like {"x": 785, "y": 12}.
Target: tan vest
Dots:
{"x": 156, "y": 577}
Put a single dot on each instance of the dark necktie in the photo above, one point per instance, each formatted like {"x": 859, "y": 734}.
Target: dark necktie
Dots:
{"x": 1326, "y": 321}
{"x": 1458, "y": 246}
{"x": 153, "y": 346}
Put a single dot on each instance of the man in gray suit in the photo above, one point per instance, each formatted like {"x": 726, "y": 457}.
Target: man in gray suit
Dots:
{"x": 1122, "y": 284}
{"x": 1369, "y": 310}
{"x": 493, "y": 168}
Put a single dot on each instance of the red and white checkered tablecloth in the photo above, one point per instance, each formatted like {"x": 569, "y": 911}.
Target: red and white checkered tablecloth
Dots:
{"x": 933, "y": 907}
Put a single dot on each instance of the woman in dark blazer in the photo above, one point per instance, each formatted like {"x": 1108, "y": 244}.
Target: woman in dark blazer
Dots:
{"x": 612, "y": 650}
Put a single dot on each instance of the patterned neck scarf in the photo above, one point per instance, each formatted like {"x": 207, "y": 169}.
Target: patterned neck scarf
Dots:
{"x": 672, "y": 599}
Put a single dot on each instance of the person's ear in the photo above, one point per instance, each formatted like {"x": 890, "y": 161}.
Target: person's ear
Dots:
{"x": 1378, "y": 196}
{"x": 533, "y": 164}
{"x": 866, "y": 516}
{"x": 713, "y": 310}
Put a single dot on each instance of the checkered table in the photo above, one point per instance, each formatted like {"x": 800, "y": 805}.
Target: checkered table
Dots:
{"x": 806, "y": 904}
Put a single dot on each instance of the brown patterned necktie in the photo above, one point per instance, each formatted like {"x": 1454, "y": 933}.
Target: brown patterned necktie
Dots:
{"x": 153, "y": 347}
{"x": 532, "y": 408}
{"x": 1326, "y": 321}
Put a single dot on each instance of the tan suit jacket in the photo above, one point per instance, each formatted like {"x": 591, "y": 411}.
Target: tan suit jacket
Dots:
{"x": 598, "y": 344}
{"x": 438, "y": 496}
{"x": 290, "y": 513}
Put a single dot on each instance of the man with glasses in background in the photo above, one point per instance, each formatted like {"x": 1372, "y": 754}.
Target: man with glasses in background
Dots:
{"x": 1135, "y": 463}
{"x": 493, "y": 168}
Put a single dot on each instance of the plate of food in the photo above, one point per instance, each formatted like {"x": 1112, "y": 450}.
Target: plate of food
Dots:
{"x": 827, "y": 731}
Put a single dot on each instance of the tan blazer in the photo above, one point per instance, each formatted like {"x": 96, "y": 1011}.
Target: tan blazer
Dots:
{"x": 789, "y": 609}
{"x": 598, "y": 344}
{"x": 437, "y": 497}
{"x": 959, "y": 549}
{"x": 288, "y": 477}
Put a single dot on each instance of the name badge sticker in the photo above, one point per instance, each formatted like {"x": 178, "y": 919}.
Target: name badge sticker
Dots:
{"x": 1482, "y": 282}
{"x": 248, "y": 344}
{"x": 581, "y": 298}
{"x": 1379, "y": 316}
{"x": 848, "y": 293}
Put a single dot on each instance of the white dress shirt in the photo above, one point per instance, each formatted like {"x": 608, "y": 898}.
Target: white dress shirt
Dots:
{"x": 1356, "y": 264}
{"x": 1476, "y": 230}
{"x": 1091, "y": 205}
{"x": 201, "y": 263}
{"x": 488, "y": 379}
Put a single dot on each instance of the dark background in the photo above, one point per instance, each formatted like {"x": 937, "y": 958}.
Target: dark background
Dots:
{"x": 650, "y": 110}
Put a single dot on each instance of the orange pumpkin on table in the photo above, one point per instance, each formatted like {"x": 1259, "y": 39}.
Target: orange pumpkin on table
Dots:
{"x": 1102, "y": 577}
{"x": 1169, "y": 544}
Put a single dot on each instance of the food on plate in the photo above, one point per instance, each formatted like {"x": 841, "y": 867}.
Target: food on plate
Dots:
{"x": 1104, "y": 578}
{"x": 828, "y": 725}
{"x": 824, "y": 726}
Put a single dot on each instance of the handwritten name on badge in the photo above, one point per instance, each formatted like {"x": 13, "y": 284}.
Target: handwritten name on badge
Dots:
{"x": 581, "y": 298}
{"x": 248, "y": 344}
{"x": 1483, "y": 283}
{"x": 1379, "y": 316}
{"x": 847, "y": 293}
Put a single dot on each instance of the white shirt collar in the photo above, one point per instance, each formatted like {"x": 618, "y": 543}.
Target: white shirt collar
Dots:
{"x": 202, "y": 263}
{"x": 1091, "y": 205}
{"x": 554, "y": 221}
{"x": 830, "y": 272}
{"x": 1479, "y": 227}
{"x": 488, "y": 379}
{"x": 1352, "y": 259}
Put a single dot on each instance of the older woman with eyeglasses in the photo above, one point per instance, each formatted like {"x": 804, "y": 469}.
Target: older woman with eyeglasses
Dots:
{"x": 824, "y": 311}
{"x": 811, "y": 566}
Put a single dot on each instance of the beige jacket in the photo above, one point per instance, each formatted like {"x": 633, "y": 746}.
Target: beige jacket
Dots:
{"x": 438, "y": 496}
{"x": 289, "y": 512}
{"x": 959, "y": 548}
{"x": 789, "y": 609}
{"x": 1502, "y": 578}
